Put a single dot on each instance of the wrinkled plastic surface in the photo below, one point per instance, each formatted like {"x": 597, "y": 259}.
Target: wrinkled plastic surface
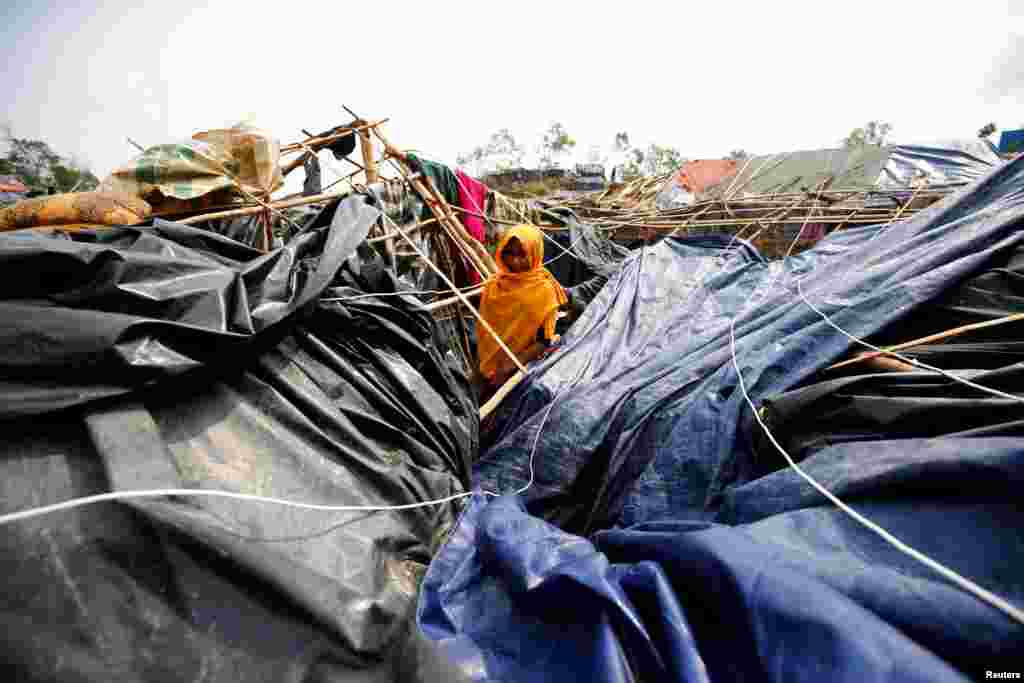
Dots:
{"x": 213, "y": 162}
{"x": 1011, "y": 141}
{"x": 802, "y": 596}
{"x": 715, "y": 556}
{"x": 580, "y": 253}
{"x": 955, "y": 162}
{"x": 110, "y": 311}
{"x": 647, "y": 402}
{"x": 254, "y": 152}
{"x": 221, "y": 368}
{"x": 854, "y": 168}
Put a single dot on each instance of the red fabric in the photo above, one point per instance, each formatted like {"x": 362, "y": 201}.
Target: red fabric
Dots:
{"x": 697, "y": 176}
{"x": 472, "y": 197}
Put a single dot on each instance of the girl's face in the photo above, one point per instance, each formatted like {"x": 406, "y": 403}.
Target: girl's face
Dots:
{"x": 515, "y": 257}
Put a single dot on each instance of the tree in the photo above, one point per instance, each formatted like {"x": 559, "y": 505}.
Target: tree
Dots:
{"x": 628, "y": 158}
{"x": 72, "y": 179}
{"x": 987, "y": 130}
{"x": 555, "y": 142}
{"x": 739, "y": 154}
{"x": 661, "y": 159}
{"x": 40, "y": 168}
{"x": 873, "y": 133}
{"x": 502, "y": 150}
{"x": 32, "y": 161}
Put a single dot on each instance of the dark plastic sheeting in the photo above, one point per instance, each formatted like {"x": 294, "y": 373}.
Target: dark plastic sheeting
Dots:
{"x": 580, "y": 253}
{"x": 167, "y": 357}
{"x": 705, "y": 554}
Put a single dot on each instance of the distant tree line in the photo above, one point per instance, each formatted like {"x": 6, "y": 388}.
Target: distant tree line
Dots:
{"x": 503, "y": 151}
{"x": 41, "y": 169}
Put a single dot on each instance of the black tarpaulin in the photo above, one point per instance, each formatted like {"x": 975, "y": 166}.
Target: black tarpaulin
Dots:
{"x": 167, "y": 357}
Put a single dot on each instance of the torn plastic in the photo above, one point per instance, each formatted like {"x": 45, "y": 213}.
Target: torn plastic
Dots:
{"x": 221, "y": 368}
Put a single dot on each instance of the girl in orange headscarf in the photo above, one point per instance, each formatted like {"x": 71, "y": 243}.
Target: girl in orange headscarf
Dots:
{"x": 520, "y": 304}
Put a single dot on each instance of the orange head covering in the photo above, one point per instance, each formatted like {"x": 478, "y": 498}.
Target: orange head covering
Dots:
{"x": 515, "y": 305}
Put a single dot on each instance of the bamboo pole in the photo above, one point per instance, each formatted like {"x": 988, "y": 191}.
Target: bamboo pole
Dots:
{"x": 435, "y": 305}
{"x": 667, "y": 227}
{"x": 504, "y": 391}
{"x": 473, "y": 250}
{"x": 392, "y": 235}
{"x": 547, "y": 226}
{"x": 366, "y": 147}
{"x": 250, "y": 210}
{"x": 315, "y": 142}
{"x": 938, "y": 336}
{"x": 438, "y": 206}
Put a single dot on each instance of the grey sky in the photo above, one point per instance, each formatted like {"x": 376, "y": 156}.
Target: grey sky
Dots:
{"x": 705, "y": 77}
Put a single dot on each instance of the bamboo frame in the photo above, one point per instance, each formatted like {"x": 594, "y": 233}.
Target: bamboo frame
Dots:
{"x": 938, "y": 336}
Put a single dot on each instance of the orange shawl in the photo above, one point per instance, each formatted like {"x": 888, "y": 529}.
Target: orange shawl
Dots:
{"x": 515, "y": 305}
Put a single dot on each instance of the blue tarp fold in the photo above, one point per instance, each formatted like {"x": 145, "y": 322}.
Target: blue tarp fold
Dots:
{"x": 660, "y": 541}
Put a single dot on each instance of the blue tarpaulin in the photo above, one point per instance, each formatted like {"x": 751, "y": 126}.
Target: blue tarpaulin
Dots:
{"x": 658, "y": 541}
{"x": 1011, "y": 141}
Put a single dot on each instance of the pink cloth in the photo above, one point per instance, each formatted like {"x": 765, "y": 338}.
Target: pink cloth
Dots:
{"x": 472, "y": 197}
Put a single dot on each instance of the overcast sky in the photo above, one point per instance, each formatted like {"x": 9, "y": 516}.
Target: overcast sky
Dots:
{"x": 704, "y": 77}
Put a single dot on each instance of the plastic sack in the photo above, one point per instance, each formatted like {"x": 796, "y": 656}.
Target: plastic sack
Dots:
{"x": 75, "y": 209}
{"x": 226, "y": 162}
{"x": 255, "y": 154}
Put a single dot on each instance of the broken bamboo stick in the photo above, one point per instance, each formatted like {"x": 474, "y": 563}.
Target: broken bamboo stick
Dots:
{"x": 250, "y": 210}
{"x": 315, "y": 142}
{"x": 938, "y": 336}
{"x": 504, "y": 391}
{"x": 473, "y": 250}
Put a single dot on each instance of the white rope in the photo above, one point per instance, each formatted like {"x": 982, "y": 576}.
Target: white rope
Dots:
{"x": 354, "y": 297}
{"x": 211, "y": 493}
{"x": 905, "y": 359}
{"x": 459, "y": 294}
{"x": 962, "y": 582}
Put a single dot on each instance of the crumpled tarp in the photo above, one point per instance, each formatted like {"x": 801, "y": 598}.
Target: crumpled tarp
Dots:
{"x": 214, "y": 164}
{"x": 167, "y": 357}
{"x": 692, "y": 179}
{"x": 953, "y": 162}
{"x": 707, "y": 559}
{"x": 580, "y": 253}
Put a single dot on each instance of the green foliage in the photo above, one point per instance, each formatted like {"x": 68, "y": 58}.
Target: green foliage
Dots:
{"x": 70, "y": 179}
{"x": 502, "y": 148}
{"x": 661, "y": 159}
{"x": 40, "y": 168}
{"x": 872, "y": 133}
{"x": 555, "y": 142}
